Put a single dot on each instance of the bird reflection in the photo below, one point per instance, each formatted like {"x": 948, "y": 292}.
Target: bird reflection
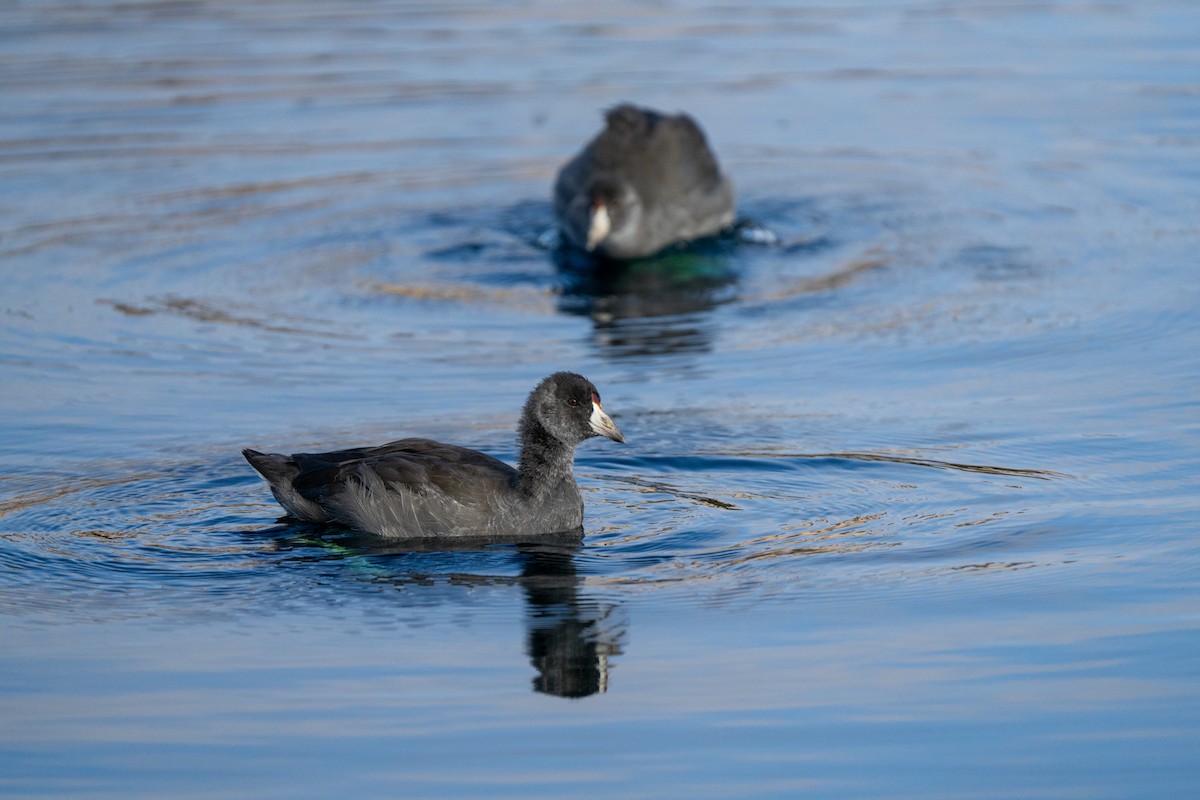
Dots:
{"x": 569, "y": 635}
{"x": 652, "y": 306}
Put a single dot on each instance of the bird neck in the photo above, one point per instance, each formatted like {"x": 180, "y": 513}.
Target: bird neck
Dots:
{"x": 545, "y": 460}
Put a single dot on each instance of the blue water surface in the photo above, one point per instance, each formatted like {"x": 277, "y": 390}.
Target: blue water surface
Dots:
{"x": 908, "y": 504}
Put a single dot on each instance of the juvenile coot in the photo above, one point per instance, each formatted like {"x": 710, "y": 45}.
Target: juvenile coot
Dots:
{"x": 648, "y": 180}
{"x": 419, "y": 488}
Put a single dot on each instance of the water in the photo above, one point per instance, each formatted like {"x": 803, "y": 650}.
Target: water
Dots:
{"x": 908, "y": 505}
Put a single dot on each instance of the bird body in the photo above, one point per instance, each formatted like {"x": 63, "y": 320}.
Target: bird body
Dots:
{"x": 419, "y": 488}
{"x": 645, "y": 182}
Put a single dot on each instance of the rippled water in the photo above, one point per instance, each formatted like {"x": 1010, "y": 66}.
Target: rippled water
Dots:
{"x": 908, "y": 505}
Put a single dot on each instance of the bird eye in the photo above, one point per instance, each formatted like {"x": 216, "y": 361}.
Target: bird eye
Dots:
{"x": 572, "y": 402}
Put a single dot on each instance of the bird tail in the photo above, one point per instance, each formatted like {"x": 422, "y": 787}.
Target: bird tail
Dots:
{"x": 277, "y": 469}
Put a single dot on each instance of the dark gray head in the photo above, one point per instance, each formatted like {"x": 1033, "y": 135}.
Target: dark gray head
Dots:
{"x": 613, "y": 213}
{"x": 566, "y": 407}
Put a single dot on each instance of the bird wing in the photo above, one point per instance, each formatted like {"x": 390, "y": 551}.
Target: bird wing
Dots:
{"x": 406, "y": 488}
{"x": 411, "y": 465}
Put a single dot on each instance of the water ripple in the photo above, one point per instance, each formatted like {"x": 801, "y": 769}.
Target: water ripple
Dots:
{"x": 153, "y": 540}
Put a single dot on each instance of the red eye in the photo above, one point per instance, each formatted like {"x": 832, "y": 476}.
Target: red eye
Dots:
{"x": 572, "y": 402}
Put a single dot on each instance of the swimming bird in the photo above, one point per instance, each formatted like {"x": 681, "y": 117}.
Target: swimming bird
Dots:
{"x": 420, "y": 489}
{"x": 647, "y": 181}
